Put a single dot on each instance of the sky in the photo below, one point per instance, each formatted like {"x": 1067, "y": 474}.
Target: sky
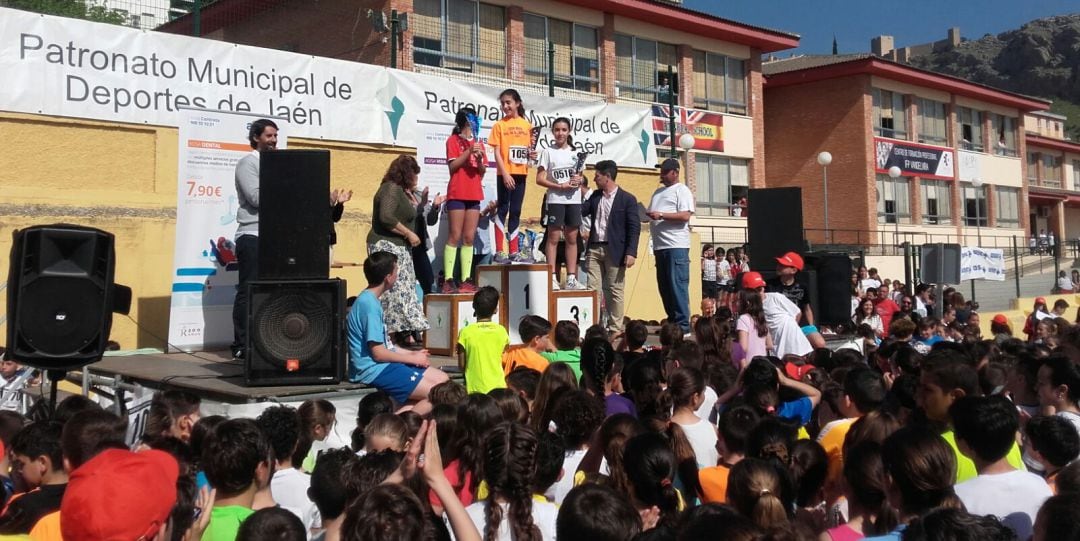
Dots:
{"x": 855, "y": 22}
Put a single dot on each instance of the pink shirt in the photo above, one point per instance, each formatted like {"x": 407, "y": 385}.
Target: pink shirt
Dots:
{"x": 756, "y": 346}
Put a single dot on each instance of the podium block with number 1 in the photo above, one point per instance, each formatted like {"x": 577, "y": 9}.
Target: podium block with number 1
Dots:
{"x": 523, "y": 290}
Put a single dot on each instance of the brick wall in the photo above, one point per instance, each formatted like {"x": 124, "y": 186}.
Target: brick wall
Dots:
{"x": 834, "y": 116}
{"x": 756, "y": 110}
{"x": 330, "y": 28}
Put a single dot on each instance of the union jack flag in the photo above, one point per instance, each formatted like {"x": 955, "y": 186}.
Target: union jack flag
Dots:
{"x": 706, "y": 127}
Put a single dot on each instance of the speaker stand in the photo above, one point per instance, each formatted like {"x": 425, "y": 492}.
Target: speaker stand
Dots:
{"x": 55, "y": 377}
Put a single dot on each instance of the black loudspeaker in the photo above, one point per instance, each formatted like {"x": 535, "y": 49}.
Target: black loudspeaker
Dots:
{"x": 295, "y": 332}
{"x": 827, "y": 277}
{"x": 939, "y": 263}
{"x": 294, "y": 215}
{"x": 61, "y": 296}
{"x": 775, "y": 224}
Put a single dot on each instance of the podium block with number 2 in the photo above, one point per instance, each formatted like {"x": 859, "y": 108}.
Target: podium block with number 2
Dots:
{"x": 523, "y": 290}
{"x": 447, "y": 315}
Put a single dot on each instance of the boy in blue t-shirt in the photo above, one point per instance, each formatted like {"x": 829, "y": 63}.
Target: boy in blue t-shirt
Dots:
{"x": 404, "y": 375}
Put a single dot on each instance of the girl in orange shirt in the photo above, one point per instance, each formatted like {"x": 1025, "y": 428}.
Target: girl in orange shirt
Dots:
{"x": 511, "y": 137}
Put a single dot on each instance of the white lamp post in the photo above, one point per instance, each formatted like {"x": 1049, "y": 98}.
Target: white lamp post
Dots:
{"x": 894, "y": 173}
{"x": 686, "y": 142}
{"x": 977, "y": 184}
{"x": 824, "y": 159}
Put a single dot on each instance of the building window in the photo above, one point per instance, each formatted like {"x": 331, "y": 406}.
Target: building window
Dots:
{"x": 1076, "y": 175}
{"x": 1051, "y": 171}
{"x": 721, "y": 183}
{"x": 936, "y": 202}
{"x": 970, "y": 123}
{"x": 461, "y": 35}
{"x": 719, "y": 83}
{"x": 1005, "y": 135}
{"x": 932, "y": 121}
{"x": 893, "y": 200}
{"x": 890, "y": 118}
{"x": 1032, "y": 167}
{"x": 641, "y": 68}
{"x": 975, "y": 210}
{"x": 577, "y": 58}
{"x": 1007, "y": 206}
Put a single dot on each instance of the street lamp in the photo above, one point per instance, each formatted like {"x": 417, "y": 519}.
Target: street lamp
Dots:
{"x": 894, "y": 173}
{"x": 824, "y": 159}
{"x": 686, "y": 142}
{"x": 977, "y": 184}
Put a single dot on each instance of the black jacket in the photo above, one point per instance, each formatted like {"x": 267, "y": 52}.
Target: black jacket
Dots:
{"x": 623, "y": 227}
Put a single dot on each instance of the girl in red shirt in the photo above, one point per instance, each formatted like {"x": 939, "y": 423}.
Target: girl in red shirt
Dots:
{"x": 467, "y": 160}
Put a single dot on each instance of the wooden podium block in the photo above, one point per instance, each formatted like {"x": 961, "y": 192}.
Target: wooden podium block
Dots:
{"x": 582, "y": 306}
{"x": 447, "y": 315}
{"x": 523, "y": 290}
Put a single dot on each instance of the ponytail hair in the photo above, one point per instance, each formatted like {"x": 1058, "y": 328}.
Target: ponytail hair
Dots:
{"x": 569, "y": 136}
{"x": 650, "y": 467}
{"x": 865, "y": 475}
{"x": 683, "y": 384}
{"x": 513, "y": 94}
{"x": 509, "y": 468}
{"x": 761, "y": 491}
{"x": 750, "y": 303}
{"x": 462, "y": 119}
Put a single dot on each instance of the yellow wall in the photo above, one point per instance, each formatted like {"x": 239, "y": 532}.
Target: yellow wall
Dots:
{"x": 122, "y": 178}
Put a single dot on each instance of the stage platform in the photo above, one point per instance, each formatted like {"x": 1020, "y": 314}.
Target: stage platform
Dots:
{"x": 215, "y": 376}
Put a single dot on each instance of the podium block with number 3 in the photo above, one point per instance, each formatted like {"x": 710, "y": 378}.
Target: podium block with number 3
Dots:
{"x": 580, "y": 306}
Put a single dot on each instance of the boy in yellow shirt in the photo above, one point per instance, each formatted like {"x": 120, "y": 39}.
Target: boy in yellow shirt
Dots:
{"x": 481, "y": 345}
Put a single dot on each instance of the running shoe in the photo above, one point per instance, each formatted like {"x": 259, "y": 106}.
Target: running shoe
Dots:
{"x": 555, "y": 283}
{"x": 466, "y": 287}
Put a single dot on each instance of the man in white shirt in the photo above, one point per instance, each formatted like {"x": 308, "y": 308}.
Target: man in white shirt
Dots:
{"x": 670, "y": 210}
{"x": 985, "y": 429}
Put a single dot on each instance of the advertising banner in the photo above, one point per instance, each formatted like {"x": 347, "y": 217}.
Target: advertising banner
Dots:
{"x": 606, "y": 131}
{"x": 74, "y": 68}
{"x": 982, "y": 263}
{"x": 706, "y": 127}
{"x": 914, "y": 159}
{"x": 68, "y": 67}
{"x": 204, "y": 260}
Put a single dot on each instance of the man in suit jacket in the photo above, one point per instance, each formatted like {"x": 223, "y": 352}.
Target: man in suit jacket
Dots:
{"x": 612, "y": 240}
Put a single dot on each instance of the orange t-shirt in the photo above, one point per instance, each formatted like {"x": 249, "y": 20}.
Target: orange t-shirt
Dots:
{"x": 47, "y": 528}
{"x": 522, "y": 356}
{"x": 511, "y": 138}
{"x": 832, "y": 438}
{"x": 714, "y": 483}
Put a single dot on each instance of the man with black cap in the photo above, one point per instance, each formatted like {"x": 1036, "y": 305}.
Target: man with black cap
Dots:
{"x": 670, "y": 210}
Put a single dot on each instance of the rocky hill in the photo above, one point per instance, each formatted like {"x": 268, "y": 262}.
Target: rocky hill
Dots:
{"x": 1041, "y": 58}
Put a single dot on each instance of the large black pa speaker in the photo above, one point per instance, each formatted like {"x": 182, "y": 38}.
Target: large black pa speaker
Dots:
{"x": 775, "y": 225}
{"x": 61, "y": 295}
{"x": 827, "y": 277}
{"x": 294, "y": 215}
{"x": 295, "y": 332}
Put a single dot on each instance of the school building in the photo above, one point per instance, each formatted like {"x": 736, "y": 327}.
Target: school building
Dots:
{"x": 1053, "y": 178}
{"x": 916, "y": 156}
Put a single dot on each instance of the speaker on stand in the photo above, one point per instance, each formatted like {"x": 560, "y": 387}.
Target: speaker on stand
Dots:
{"x": 296, "y": 315}
{"x": 827, "y": 276}
{"x": 61, "y": 297}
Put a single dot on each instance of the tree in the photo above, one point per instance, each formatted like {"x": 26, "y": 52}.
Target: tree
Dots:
{"x": 835, "y": 48}
{"x": 76, "y": 9}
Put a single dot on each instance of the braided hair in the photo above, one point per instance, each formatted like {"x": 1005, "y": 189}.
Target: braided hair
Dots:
{"x": 597, "y": 364}
{"x": 509, "y": 468}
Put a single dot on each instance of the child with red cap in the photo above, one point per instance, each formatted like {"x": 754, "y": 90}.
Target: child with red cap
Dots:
{"x": 120, "y": 495}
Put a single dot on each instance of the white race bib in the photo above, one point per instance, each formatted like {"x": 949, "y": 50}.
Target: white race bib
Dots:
{"x": 519, "y": 155}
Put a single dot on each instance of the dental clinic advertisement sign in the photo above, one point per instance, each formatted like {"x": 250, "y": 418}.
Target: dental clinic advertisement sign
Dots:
{"x": 914, "y": 159}
{"x": 204, "y": 261}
